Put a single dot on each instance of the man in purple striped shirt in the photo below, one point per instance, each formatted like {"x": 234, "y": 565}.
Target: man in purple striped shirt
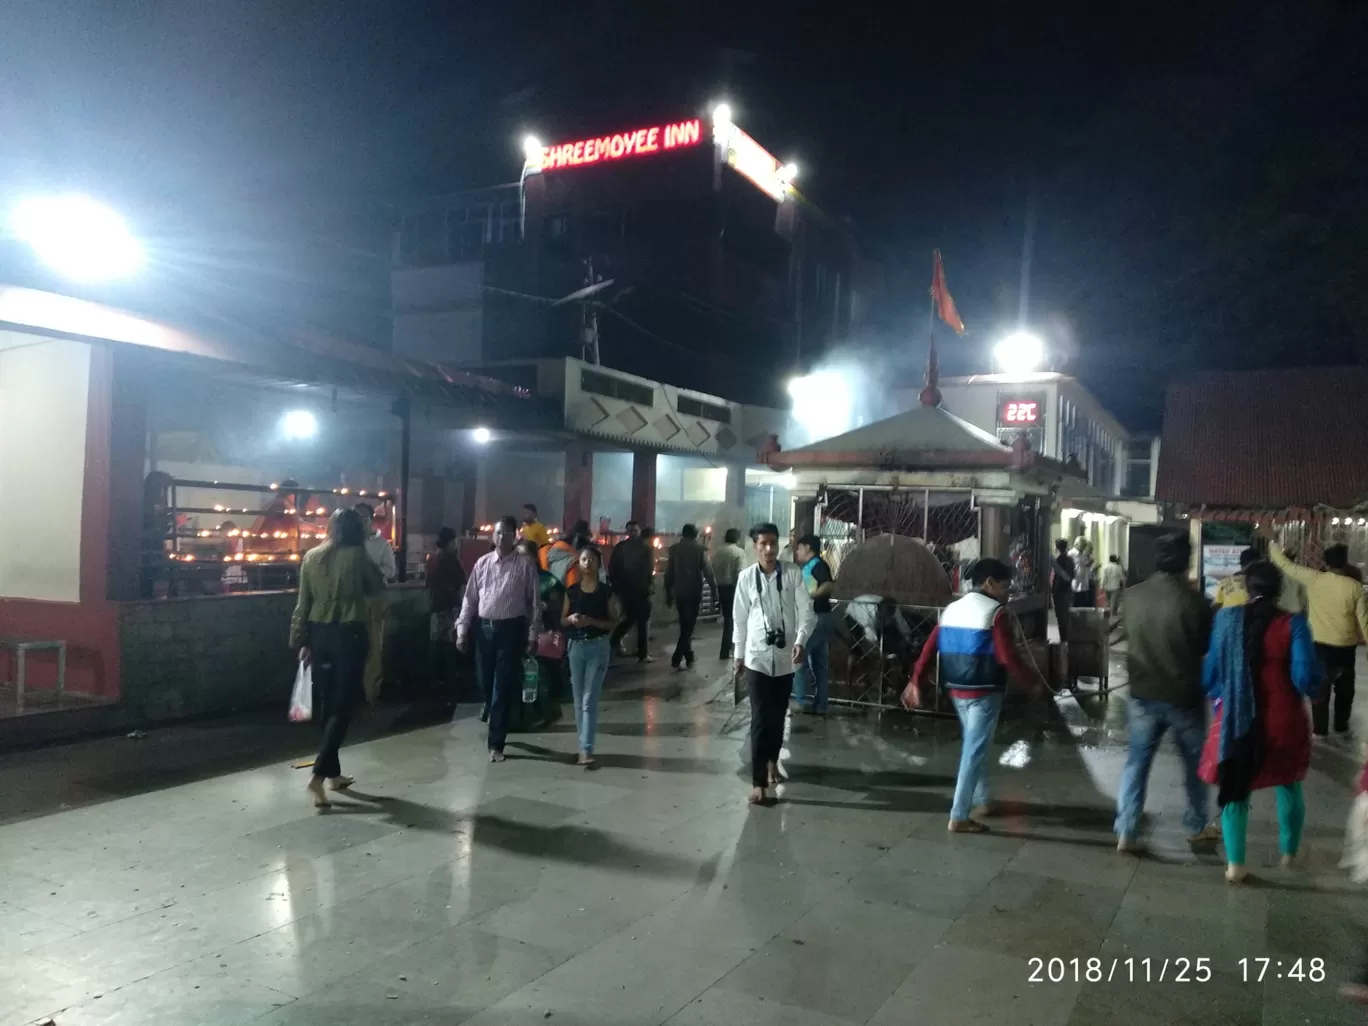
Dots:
{"x": 501, "y": 608}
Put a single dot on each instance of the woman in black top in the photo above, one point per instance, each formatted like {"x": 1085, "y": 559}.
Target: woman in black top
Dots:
{"x": 589, "y": 616}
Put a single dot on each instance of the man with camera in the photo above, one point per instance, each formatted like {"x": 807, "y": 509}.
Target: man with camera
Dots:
{"x": 773, "y": 621}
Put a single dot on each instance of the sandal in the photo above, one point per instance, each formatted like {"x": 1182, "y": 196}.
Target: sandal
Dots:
{"x": 315, "y": 788}
{"x": 497, "y": 756}
{"x": 340, "y": 783}
{"x": 966, "y": 826}
{"x": 757, "y": 796}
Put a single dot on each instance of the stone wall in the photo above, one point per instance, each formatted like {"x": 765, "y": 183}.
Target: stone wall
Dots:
{"x": 225, "y": 653}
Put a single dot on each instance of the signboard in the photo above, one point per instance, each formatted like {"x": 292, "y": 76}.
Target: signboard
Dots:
{"x": 1218, "y": 563}
{"x": 1021, "y": 411}
{"x": 639, "y": 142}
{"x": 755, "y": 162}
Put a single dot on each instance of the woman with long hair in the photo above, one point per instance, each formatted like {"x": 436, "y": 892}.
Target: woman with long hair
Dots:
{"x": 1259, "y": 667}
{"x": 329, "y": 627}
{"x": 590, "y": 614}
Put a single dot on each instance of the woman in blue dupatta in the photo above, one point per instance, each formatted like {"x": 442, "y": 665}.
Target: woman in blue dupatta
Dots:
{"x": 1260, "y": 665}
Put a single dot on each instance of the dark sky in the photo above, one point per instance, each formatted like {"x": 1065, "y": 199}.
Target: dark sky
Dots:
{"x": 1192, "y": 174}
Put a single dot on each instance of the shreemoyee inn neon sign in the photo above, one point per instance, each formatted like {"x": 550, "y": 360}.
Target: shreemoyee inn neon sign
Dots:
{"x": 620, "y": 145}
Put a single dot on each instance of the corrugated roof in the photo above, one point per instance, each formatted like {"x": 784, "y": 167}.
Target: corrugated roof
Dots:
{"x": 1266, "y": 438}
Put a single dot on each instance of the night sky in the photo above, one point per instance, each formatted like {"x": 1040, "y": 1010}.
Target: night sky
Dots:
{"x": 1190, "y": 177}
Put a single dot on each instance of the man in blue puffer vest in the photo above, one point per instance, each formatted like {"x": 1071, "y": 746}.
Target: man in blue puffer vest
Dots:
{"x": 977, "y": 652}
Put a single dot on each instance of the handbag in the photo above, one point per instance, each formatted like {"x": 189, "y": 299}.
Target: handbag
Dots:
{"x": 551, "y": 645}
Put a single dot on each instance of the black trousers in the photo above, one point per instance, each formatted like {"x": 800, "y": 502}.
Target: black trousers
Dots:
{"x": 636, "y": 612}
{"x": 499, "y": 649}
{"x": 726, "y": 595}
{"x": 338, "y": 653}
{"x": 1337, "y": 665}
{"x": 688, "y": 620}
{"x": 1063, "y": 602}
{"x": 769, "y": 699}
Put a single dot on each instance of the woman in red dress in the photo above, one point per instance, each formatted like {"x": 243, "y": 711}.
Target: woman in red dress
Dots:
{"x": 1259, "y": 670}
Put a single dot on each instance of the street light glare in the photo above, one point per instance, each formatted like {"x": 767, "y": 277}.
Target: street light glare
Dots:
{"x": 299, "y": 424}
{"x": 77, "y": 237}
{"x": 532, "y": 149}
{"x": 1019, "y": 353}
{"x": 722, "y": 114}
{"x": 788, "y": 172}
{"x": 481, "y": 435}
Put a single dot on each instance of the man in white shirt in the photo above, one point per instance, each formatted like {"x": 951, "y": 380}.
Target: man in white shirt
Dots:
{"x": 381, "y": 553}
{"x": 773, "y": 621}
{"x": 1113, "y": 585}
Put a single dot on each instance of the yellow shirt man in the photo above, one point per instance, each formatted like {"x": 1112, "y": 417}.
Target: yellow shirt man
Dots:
{"x": 533, "y": 529}
{"x": 1336, "y": 606}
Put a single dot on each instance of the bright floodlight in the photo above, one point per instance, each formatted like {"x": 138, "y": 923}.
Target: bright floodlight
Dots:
{"x": 77, "y": 237}
{"x": 532, "y": 149}
{"x": 299, "y": 424}
{"x": 722, "y": 114}
{"x": 481, "y": 435}
{"x": 1019, "y": 353}
{"x": 788, "y": 172}
{"x": 823, "y": 403}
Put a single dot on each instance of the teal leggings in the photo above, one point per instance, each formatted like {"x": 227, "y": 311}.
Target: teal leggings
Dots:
{"x": 1291, "y": 816}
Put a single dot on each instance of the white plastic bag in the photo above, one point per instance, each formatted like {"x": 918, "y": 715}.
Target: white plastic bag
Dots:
{"x": 1356, "y": 841}
{"x": 301, "y": 701}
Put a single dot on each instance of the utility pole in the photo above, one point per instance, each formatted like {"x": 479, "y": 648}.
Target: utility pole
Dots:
{"x": 589, "y": 334}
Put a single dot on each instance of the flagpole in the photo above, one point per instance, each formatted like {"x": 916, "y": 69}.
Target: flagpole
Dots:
{"x": 930, "y": 394}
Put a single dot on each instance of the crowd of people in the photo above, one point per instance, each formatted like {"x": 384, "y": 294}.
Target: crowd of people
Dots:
{"x": 541, "y": 610}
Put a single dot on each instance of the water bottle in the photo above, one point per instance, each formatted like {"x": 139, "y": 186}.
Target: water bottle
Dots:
{"x": 531, "y": 678}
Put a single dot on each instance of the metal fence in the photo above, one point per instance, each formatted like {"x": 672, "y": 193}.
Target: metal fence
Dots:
{"x": 949, "y": 522}
{"x": 873, "y": 649}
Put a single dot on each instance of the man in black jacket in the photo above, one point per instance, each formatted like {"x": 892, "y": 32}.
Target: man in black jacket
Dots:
{"x": 630, "y": 569}
{"x": 684, "y": 575}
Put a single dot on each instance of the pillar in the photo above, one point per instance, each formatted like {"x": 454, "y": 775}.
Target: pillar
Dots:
{"x": 126, "y": 454}
{"x": 482, "y": 512}
{"x": 579, "y": 485}
{"x": 644, "y": 488}
{"x": 736, "y": 486}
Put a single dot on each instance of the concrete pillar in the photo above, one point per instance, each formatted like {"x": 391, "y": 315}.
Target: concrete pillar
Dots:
{"x": 736, "y": 485}
{"x": 125, "y": 421}
{"x": 482, "y": 511}
{"x": 644, "y": 488}
{"x": 579, "y": 484}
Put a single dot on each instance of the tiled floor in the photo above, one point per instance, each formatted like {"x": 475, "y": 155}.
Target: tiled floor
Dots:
{"x": 447, "y": 890}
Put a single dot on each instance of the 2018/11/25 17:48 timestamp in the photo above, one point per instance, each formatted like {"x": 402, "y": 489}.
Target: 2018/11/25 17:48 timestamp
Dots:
{"x": 1170, "y": 970}
{"x": 1301, "y": 970}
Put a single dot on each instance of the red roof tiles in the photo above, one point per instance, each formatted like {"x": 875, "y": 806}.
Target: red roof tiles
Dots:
{"x": 1267, "y": 438}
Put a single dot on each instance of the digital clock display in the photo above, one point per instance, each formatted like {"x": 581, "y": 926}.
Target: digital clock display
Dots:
{"x": 1019, "y": 412}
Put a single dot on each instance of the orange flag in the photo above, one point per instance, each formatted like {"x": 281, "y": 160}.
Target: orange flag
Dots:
{"x": 940, "y": 295}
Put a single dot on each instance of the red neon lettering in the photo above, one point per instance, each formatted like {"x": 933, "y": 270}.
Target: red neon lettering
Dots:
{"x": 622, "y": 144}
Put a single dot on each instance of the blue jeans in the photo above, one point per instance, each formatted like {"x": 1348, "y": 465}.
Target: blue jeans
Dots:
{"x": 814, "y": 670}
{"x": 978, "y": 719}
{"x": 588, "y": 666}
{"x": 1148, "y": 721}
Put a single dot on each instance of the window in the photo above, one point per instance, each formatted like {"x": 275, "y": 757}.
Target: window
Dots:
{"x": 616, "y": 388}
{"x": 698, "y": 408}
